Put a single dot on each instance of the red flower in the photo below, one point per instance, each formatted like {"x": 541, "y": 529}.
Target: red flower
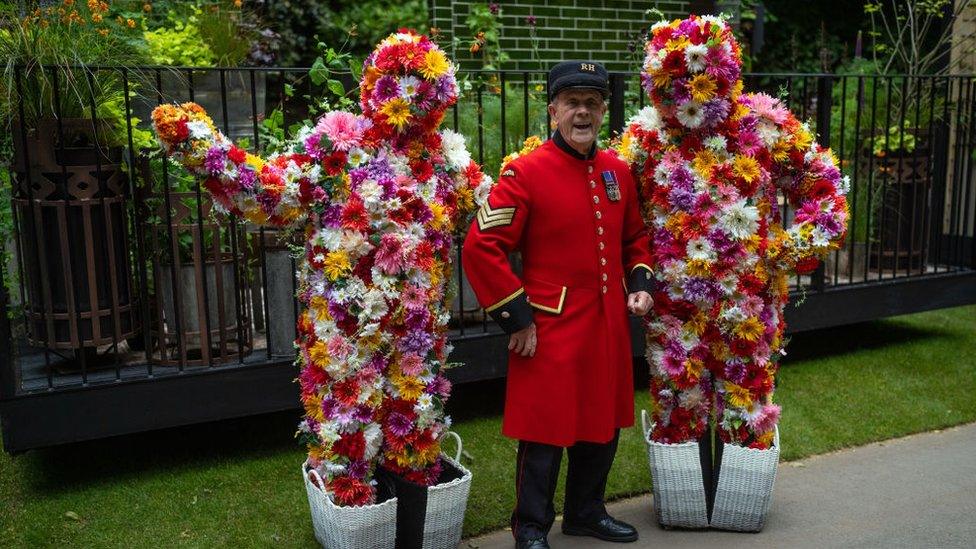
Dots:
{"x": 807, "y": 266}
{"x": 335, "y": 163}
{"x": 674, "y": 63}
{"x": 354, "y": 215}
{"x": 237, "y": 155}
{"x": 422, "y": 170}
{"x": 822, "y": 189}
{"x": 351, "y": 445}
{"x": 349, "y": 491}
{"x": 346, "y": 391}
{"x": 473, "y": 174}
{"x": 742, "y": 347}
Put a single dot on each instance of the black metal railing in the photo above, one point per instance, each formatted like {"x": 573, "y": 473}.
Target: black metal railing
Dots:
{"x": 125, "y": 272}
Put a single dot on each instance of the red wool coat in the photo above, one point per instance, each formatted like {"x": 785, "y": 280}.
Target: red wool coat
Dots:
{"x": 576, "y": 221}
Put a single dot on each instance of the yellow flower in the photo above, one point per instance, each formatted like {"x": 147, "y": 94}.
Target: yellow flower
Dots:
{"x": 720, "y": 351}
{"x": 750, "y": 329}
{"x": 337, "y": 264}
{"x": 147, "y": 7}
{"x": 766, "y": 439}
{"x": 661, "y": 78}
{"x": 739, "y": 397}
{"x": 255, "y": 216}
{"x": 699, "y": 267}
{"x": 736, "y": 89}
{"x": 702, "y": 87}
{"x": 409, "y": 387}
{"x": 435, "y": 64}
{"x": 313, "y": 407}
{"x": 698, "y": 323}
{"x": 746, "y": 167}
{"x": 103, "y": 32}
{"x": 739, "y": 111}
{"x": 130, "y": 23}
{"x": 694, "y": 367}
{"x": 96, "y": 18}
{"x": 703, "y": 162}
{"x": 397, "y": 112}
{"x": 320, "y": 354}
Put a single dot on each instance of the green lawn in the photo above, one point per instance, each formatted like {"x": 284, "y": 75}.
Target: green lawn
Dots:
{"x": 236, "y": 483}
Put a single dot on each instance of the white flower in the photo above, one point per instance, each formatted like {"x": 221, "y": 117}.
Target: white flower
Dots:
{"x": 733, "y": 315}
{"x": 482, "y": 190}
{"x": 768, "y": 132}
{"x": 357, "y": 157}
{"x": 714, "y": 20}
{"x": 424, "y": 402}
{"x": 408, "y": 86}
{"x": 740, "y": 220}
{"x": 372, "y": 194}
{"x": 647, "y": 118}
{"x": 819, "y": 238}
{"x": 198, "y": 129}
{"x": 374, "y": 439}
{"x": 695, "y": 57}
{"x": 701, "y": 248}
{"x": 688, "y": 339}
{"x": 845, "y": 185}
{"x": 659, "y": 25}
{"x": 716, "y": 144}
{"x": 455, "y": 152}
{"x": 691, "y": 114}
{"x": 374, "y": 305}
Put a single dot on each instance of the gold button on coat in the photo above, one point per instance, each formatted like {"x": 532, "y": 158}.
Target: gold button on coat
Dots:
{"x": 506, "y": 314}
{"x": 596, "y": 199}
{"x": 604, "y": 289}
{"x": 599, "y": 215}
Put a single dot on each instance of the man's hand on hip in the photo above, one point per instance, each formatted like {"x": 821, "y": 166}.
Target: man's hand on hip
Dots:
{"x": 523, "y": 341}
{"x": 639, "y": 303}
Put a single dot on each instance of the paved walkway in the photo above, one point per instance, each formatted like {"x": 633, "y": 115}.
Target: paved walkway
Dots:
{"x": 918, "y": 491}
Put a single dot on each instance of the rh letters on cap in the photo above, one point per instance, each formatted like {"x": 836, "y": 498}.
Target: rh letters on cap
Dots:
{"x": 588, "y": 67}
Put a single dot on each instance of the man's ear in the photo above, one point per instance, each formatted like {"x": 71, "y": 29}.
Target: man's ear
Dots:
{"x": 552, "y": 110}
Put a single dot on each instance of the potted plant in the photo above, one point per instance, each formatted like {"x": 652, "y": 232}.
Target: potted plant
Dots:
{"x": 194, "y": 269}
{"x": 912, "y": 45}
{"x": 219, "y": 40}
{"x": 68, "y": 127}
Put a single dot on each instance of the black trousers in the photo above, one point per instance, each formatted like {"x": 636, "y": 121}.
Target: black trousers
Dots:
{"x": 536, "y": 474}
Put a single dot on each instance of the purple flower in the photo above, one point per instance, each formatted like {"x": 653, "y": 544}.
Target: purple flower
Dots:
{"x": 530, "y": 20}
{"x": 215, "y": 160}
{"x": 735, "y": 370}
{"x": 493, "y": 8}
{"x": 440, "y": 385}
{"x": 332, "y": 216}
{"x": 358, "y": 469}
{"x": 386, "y": 88}
{"x": 446, "y": 87}
{"x": 699, "y": 289}
{"x": 399, "y": 424}
{"x": 716, "y": 111}
{"x": 363, "y": 414}
{"x": 682, "y": 198}
{"x": 247, "y": 177}
{"x": 681, "y": 177}
{"x": 417, "y": 342}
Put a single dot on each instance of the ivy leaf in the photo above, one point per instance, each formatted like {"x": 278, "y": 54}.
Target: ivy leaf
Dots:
{"x": 356, "y": 69}
{"x": 319, "y": 72}
{"x": 337, "y": 88}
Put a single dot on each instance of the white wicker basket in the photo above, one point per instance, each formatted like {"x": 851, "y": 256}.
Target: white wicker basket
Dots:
{"x": 446, "y": 503}
{"x": 745, "y": 487}
{"x": 340, "y": 527}
{"x": 676, "y": 475}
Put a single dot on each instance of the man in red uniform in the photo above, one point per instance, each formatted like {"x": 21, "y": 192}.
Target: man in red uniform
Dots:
{"x": 572, "y": 211}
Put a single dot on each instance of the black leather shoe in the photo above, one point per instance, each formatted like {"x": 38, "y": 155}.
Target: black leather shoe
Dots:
{"x": 607, "y": 529}
{"x": 539, "y": 543}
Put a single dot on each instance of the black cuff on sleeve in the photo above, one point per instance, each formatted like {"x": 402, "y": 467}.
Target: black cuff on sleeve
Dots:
{"x": 641, "y": 279}
{"x": 514, "y": 315}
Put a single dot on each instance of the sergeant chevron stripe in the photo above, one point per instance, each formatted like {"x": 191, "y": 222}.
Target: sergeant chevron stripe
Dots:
{"x": 489, "y": 217}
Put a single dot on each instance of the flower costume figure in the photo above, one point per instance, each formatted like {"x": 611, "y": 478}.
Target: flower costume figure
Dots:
{"x": 710, "y": 162}
{"x": 379, "y": 197}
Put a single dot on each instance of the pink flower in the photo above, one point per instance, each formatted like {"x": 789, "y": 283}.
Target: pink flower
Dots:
{"x": 389, "y": 257}
{"x": 411, "y": 365}
{"x": 766, "y": 420}
{"x": 342, "y": 128}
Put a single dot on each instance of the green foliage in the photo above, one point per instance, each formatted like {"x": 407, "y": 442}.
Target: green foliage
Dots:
{"x": 180, "y": 44}
{"x": 485, "y": 23}
{"x": 353, "y": 26}
{"x": 236, "y": 483}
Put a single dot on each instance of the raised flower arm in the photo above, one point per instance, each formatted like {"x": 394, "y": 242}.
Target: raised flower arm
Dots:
{"x": 814, "y": 187}
{"x": 279, "y": 190}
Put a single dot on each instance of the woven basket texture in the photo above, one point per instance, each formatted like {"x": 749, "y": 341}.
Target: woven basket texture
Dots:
{"x": 745, "y": 487}
{"x": 339, "y": 527}
{"x": 446, "y": 504}
{"x": 676, "y": 476}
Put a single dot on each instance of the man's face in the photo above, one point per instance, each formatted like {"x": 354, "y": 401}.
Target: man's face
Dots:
{"x": 578, "y": 115}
